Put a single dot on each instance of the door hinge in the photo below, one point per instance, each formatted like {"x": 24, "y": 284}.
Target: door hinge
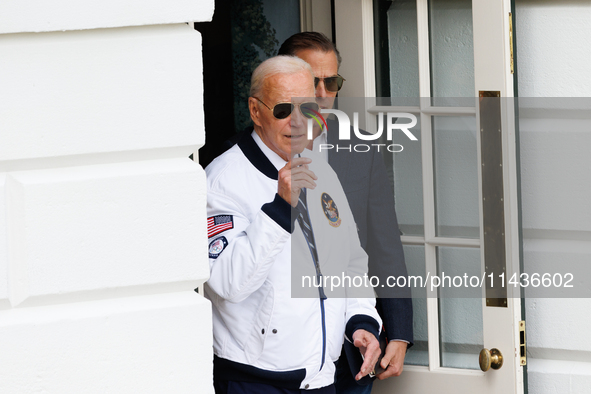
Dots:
{"x": 511, "y": 41}
{"x": 522, "y": 347}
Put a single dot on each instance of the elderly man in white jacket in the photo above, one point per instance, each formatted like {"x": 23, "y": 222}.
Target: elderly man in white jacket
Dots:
{"x": 276, "y": 216}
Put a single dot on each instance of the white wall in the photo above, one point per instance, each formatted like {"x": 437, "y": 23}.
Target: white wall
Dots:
{"x": 553, "y": 44}
{"x": 553, "y": 49}
{"x": 102, "y": 214}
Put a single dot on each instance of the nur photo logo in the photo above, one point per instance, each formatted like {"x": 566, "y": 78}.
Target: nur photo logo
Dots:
{"x": 345, "y": 128}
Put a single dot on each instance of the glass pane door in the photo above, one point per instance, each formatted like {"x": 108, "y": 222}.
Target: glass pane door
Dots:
{"x": 432, "y": 59}
{"x": 436, "y": 177}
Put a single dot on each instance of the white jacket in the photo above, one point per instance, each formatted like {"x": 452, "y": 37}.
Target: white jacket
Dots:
{"x": 262, "y": 330}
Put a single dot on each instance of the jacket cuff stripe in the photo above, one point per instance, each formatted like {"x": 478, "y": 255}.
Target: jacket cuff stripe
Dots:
{"x": 280, "y": 211}
{"x": 364, "y": 322}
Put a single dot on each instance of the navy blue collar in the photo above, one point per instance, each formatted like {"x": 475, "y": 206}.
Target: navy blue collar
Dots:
{"x": 256, "y": 156}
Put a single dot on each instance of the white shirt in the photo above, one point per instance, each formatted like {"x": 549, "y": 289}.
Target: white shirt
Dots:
{"x": 273, "y": 157}
{"x": 322, "y": 139}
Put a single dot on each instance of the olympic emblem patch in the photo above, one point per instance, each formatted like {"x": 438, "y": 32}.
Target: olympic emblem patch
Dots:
{"x": 330, "y": 210}
{"x": 217, "y": 246}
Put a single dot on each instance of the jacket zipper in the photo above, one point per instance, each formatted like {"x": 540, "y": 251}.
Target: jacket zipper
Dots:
{"x": 321, "y": 293}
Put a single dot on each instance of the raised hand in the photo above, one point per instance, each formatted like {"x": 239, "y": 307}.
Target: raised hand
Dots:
{"x": 293, "y": 177}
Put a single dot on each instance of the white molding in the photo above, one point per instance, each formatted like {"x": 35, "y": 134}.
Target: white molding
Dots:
{"x": 354, "y": 29}
{"x": 61, "y": 15}
{"x": 316, "y": 15}
{"x": 376, "y": 109}
{"x": 355, "y": 41}
{"x": 456, "y": 242}
{"x": 434, "y": 111}
{"x": 305, "y": 15}
{"x": 423, "y": 51}
{"x": 368, "y": 49}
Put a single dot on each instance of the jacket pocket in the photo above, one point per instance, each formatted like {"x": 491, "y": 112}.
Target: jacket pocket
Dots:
{"x": 264, "y": 298}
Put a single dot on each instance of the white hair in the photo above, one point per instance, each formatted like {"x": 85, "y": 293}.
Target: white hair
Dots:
{"x": 282, "y": 64}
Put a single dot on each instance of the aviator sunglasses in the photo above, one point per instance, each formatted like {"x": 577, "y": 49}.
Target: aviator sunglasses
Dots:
{"x": 283, "y": 110}
{"x": 332, "y": 84}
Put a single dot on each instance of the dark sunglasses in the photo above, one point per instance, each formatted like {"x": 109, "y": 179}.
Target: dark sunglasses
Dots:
{"x": 332, "y": 84}
{"x": 283, "y": 110}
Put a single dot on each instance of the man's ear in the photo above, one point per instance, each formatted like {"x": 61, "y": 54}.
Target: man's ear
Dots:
{"x": 255, "y": 111}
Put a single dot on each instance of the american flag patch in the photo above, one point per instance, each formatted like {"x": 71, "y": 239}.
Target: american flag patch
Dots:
{"x": 218, "y": 224}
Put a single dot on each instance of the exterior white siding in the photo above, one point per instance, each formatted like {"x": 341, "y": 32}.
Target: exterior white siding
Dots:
{"x": 102, "y": 213}
{"x": 101, "y": 91}
{"x": 4, "y": 303}
{"x": 553, "y": 41}
{"x": 146, "y": 344}
{"x": 105, "y": 227}
{"x": 60, "y": 15}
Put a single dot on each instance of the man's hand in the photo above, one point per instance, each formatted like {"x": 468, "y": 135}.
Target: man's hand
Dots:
{"x": 370, "y": 349}
{"x": 293, "y": 177}
{"x": 393, "y": 360}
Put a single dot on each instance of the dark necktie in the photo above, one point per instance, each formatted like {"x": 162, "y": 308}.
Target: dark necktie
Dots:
{"x": 304, "y": 221}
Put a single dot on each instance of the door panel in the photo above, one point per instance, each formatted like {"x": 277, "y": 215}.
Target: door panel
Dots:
{"x": 451, "y": 49}
{"x": 441, "y": 54}
{"x": 455, "y": 172}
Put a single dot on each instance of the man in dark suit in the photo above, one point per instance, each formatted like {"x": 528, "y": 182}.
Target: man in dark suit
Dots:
{"x": 366, "y": 185}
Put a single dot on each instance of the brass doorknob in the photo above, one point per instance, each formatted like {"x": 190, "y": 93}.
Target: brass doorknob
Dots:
{"x": 490, "y": 359}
